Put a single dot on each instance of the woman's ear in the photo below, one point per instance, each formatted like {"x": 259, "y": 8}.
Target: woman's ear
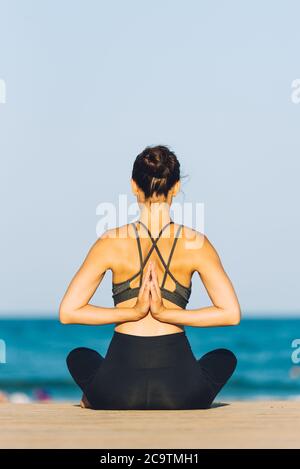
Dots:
{"x": 176, "y": 188}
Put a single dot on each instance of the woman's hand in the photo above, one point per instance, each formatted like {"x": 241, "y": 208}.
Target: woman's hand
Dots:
{"x": 149, "y": 298}
{"x": 157, "y": 307}
{"x": 142, "y": 306}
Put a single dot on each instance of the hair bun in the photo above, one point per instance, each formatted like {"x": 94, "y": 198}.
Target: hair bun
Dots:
{"x": 156, "y": 165}
{"x": 156, "y": 170}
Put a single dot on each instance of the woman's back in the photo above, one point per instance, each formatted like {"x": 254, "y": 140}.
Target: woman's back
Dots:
{"x": 131, "y": 249}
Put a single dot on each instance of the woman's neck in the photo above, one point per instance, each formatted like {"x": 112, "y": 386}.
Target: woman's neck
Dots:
{"x": 155, "y": 216}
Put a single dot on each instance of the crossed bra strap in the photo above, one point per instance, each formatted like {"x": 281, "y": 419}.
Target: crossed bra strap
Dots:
{"x": 154, "y": 246}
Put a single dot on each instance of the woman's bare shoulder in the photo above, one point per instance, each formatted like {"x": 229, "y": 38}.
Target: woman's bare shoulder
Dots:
{"x": 118, "y": 232}
{"x": 192, "y": 237}
{"x": 108, "y": 246}
{"x": 198, "y": 245}
{"x": 114, "y": 239}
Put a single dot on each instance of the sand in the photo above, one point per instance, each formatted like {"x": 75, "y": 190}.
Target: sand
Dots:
{"x": 251, "y": 424}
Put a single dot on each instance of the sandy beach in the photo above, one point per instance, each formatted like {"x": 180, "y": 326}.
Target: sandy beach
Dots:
{"x": 244, "y": 424}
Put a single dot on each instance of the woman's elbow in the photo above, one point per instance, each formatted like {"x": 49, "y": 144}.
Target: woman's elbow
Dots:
{"x": 65, "y": 315}
{"x": 234, "y": 317}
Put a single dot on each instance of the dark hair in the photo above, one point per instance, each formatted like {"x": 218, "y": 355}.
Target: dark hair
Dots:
{"x": 156, "y": 170}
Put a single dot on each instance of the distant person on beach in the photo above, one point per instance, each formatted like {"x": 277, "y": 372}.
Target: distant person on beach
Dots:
{"x": 149, "y": 363}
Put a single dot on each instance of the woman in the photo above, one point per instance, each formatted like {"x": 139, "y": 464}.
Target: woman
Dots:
{"x": 149, "y": 363}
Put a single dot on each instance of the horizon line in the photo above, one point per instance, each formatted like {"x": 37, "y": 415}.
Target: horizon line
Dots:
{"x": 50, "y": 315}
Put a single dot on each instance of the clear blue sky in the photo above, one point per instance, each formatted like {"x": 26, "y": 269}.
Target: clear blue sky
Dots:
{"x": 91, "y": 83}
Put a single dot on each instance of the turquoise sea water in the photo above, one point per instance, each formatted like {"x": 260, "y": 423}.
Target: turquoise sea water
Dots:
{"x": 36, "y": 351}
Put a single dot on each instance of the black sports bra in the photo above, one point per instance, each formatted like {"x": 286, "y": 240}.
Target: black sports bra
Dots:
{"x": 180, "y": 296}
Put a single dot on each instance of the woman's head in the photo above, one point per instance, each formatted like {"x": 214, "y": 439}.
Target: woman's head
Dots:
{"x": 156, "y": 172}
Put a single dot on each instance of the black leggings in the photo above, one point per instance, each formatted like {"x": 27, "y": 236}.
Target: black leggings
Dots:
{"x": 152, "y": 372}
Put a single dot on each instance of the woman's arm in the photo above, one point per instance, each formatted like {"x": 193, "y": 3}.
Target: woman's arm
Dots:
{"x": 75, "y": 307}
{"x": 225, "y": 310}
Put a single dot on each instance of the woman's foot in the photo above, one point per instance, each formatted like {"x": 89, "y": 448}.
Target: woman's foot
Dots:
{"x": 84, "y": 403}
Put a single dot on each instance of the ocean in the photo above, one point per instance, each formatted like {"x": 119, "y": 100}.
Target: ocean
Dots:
{"x": 35, "y": 351}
